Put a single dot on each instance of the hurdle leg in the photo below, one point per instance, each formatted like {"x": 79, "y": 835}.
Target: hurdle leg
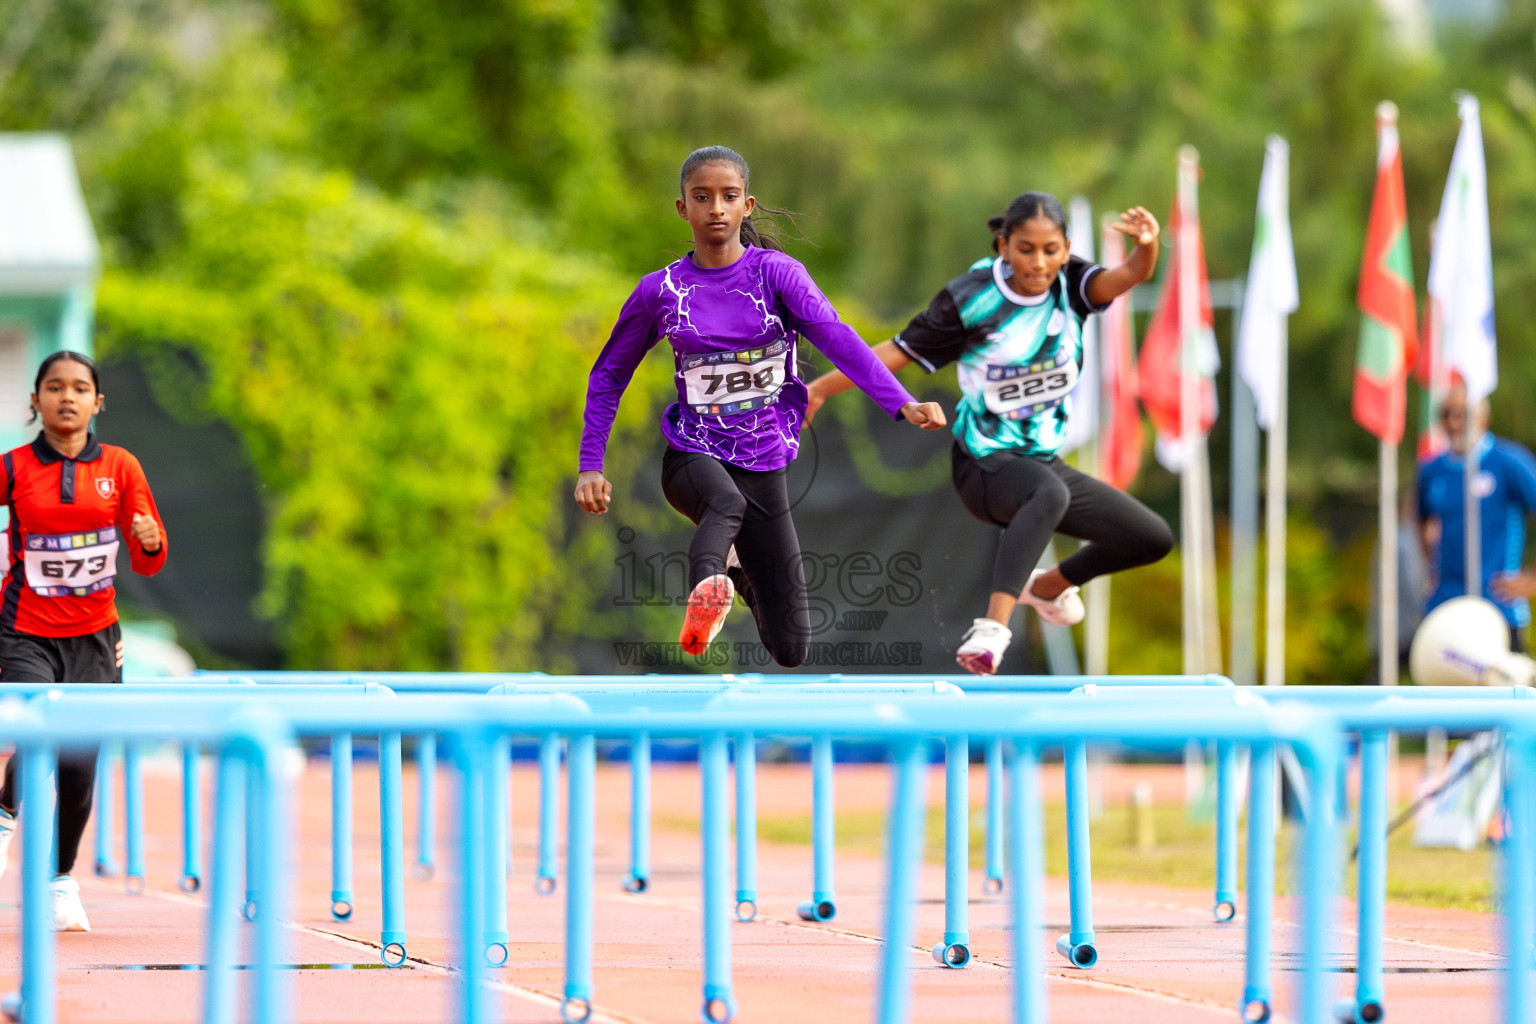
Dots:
{"x": 903, "y": 865}
{"x": 639, "y": 813}
{"x": 1078, "y": 944}
{"x": 823, "y": 905}
{"x": 719, "y": 1005}
{"x": 270, "y": 1002}
{"x": 341, "y": 826}
{"x": 252, "y": 841}
{"x": 223, "y": 902}
{"x": 493, "y": 943}
{"x": 1258, "y": 990}
{"x": 1227, "y": 807}
{"x": 581, "y": 779}
{"x": 426, "y": 821}
{"x": 191, "y": 820}
{"x": 993, "y": 883}
{"x": 476, "y": 767}
{"x": 746, "y": 826}
{"x": 1519, "y": 895}
{"x": 1028, "y": 868}
{"x": 955, "y": 950}
{"x": 392, "y": 850}
{"x": 106, "y": 810}
{"x": 549, "y": 814}
{"x": 1371, "y": 884}
{"x": 1322, "y": 767}
{"x": 39, "y": 1000}
{"x": 133, "y": 815}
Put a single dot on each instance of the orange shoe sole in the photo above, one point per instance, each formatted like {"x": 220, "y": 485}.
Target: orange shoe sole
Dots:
{"x": 707, "y": 608}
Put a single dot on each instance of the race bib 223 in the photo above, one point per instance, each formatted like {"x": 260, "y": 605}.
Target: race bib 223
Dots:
{"x": 1019, "y": 392}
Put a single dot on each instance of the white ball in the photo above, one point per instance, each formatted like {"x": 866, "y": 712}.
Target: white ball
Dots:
{"x": 1458, "y": 643}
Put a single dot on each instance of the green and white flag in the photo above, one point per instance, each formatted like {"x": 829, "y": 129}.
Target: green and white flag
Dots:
{"x": 1461, "y": 265}
{"x": 1271, "y": 295}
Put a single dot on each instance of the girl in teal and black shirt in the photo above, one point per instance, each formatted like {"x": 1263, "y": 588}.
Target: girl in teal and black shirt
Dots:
{"x": 1013, "y": 327}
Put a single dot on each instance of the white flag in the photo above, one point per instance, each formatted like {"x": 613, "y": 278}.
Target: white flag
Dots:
{"x": 1083, "y": 403}
{"x": 1271, "y": 294}
{"x": 1461, "y": 263}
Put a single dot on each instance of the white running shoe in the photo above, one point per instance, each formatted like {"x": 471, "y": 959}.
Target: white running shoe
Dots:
{"x": 1065, "y": 609}
{"x": 981, "y": 649}
{"x": 707, "y": 607}
{"x": 7, "y": 833}
{"x": 68, "y": 914}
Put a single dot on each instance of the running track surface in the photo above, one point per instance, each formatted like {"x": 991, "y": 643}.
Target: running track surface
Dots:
{"x": 1162, "y": 959}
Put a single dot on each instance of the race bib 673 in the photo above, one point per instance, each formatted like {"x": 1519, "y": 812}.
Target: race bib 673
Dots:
{"x": 71, "y": 564}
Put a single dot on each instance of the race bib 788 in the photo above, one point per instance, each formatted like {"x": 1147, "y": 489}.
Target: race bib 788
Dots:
{"x": 721, "y": 383}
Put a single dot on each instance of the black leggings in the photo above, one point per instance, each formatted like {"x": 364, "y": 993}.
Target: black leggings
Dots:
{"x": 748, "y": 508}
{"x": 92, "y": 658}
{"x": 1033, "y": 498}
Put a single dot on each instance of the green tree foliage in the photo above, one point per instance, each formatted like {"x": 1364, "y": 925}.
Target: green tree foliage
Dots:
{"x": 400, "y": 380}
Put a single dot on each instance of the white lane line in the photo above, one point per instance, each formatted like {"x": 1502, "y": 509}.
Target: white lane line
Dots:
{"x": 1075, "y": 977}
{"x": 534, "y": 995}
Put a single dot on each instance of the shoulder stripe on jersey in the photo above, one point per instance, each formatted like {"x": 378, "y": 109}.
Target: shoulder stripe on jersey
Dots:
{"x": 919, "y": 360}
{"x": 11, "y": 602}
{"x": 1082, "y": 286}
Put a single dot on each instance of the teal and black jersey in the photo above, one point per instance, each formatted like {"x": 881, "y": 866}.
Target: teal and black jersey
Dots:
{"x": 1018, "y": 355}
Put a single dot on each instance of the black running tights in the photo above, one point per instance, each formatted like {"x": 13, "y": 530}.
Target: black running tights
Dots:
{"x": 1032, "y": 498}
{"x": 91, "y": 658}
{"x": 748, "y": 508}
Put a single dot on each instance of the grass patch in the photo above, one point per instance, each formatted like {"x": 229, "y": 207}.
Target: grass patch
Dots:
{"x": 1184, "y": 856}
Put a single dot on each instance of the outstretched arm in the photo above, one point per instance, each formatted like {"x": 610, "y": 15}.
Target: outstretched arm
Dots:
{"x": 835, "y": 382}
{"x": 1141, "y": 227}
{"x": 810, "y": 311}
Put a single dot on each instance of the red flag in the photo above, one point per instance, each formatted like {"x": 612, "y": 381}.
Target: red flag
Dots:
{"x": 1388, "y": 328}
{"x": 1161, "y": 349}
{"x": 1120, "y": 443}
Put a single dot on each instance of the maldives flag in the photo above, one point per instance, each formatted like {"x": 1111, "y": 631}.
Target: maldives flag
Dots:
{"x": 1389, "y": 326}
{"x": 1161, "y": 379}
{"x": 1120, "y": 444}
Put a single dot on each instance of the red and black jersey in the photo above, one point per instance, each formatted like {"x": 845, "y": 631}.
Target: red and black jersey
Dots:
{"x": 69, "y": 517}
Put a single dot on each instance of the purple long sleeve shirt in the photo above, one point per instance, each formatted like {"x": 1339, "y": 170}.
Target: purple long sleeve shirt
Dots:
{"x": 734, "y": 332}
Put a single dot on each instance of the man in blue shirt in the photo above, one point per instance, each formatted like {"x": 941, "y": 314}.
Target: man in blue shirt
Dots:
{"x": 1506, "y": 487}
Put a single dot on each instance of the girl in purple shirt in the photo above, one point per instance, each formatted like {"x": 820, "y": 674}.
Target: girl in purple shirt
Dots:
{"x": 733, "y": 311}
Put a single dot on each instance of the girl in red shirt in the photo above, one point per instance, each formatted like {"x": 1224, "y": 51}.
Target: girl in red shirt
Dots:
{"x": 74, "y": 502}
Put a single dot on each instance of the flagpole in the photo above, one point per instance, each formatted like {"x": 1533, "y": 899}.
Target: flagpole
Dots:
{"x": 1386, "y": 653}
{"x": 1096, "y": 643}
{"x": 1096, "y": 624}
{"x": 1274, "y": 527}
{"x": 1472, "y": 513}
{"x": 1245, "y": 523}
{"x": 1210, "y": 628}
{"x": 1387, "y": 594}
{"x": 1096, "y": 628}
{"x": 1189, "y": 414}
